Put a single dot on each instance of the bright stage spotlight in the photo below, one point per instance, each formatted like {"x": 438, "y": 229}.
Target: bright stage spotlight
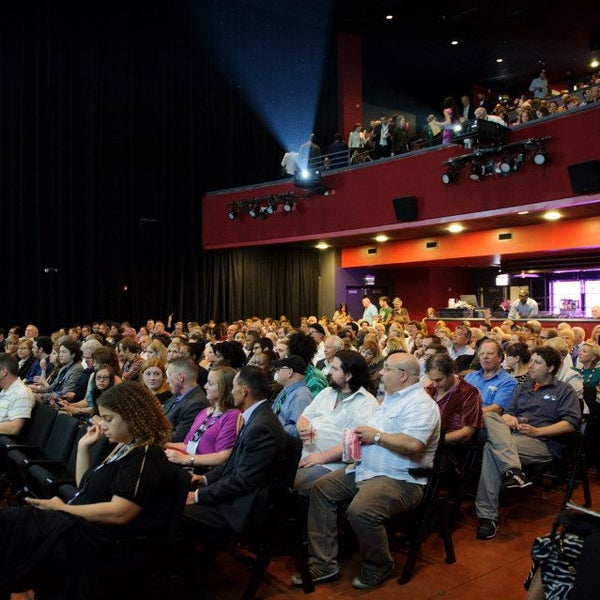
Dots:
{"x": 309, "y": 179}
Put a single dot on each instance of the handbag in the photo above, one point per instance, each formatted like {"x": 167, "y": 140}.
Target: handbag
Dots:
{"x": 556, "y": 554}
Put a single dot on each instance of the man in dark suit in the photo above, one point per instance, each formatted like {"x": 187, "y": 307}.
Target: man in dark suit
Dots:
{"x": 467, "y": 110}
{"x": 230, "y": 494}
{"x": 188, "y": 398}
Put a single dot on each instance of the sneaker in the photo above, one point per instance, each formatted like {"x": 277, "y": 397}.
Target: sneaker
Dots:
{"x": 514, "y": 478}
{"x": 365, "y": 582}
{"x": 488, "y": 528}
{"x": 317, "y": 575}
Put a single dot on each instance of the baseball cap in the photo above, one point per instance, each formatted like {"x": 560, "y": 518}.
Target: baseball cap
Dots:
{"x": 317, "y": 327}
{"x": 294, "y": 362}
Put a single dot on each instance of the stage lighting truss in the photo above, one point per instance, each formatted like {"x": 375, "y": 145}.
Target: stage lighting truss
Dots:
{"x": 266, "y": 206}
{"x": 497, "y": 160}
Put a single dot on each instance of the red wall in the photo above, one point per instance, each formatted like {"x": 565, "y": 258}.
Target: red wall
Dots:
{"x": 349, "y": 82}
{"x": 362, "y": 198}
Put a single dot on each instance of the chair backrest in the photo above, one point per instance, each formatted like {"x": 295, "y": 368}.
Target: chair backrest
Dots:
{"x": 61, "y": 438}
{"x": 181, "y": 487}
{"x": 42, "y": 420}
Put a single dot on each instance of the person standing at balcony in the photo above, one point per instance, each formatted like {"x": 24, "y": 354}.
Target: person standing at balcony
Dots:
{"x": 467, "y": 109}
{"x": 523, "y": 308}
{"x": 539, "y": 85}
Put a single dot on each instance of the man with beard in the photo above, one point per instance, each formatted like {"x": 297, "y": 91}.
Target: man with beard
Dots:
{"x": 343, "y": 405}
{"x": 401, "y": 435}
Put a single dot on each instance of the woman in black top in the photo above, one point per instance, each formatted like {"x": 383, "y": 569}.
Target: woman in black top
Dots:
{"x": 127, "y": 494}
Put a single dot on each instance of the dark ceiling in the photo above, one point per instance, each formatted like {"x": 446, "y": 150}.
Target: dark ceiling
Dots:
{"x": 414, "y": 48}
{"x": 413, "y": 52}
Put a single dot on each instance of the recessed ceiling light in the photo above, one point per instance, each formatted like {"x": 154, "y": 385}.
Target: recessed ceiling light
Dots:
{"x": 499, "y": 60}
{"x": 455, "y": 228}
{"x": 389, "y": 17}
{"x": 523, "y": 212}
{"x": 454, "y": 42}
{"x": 322, "y": 246}
{"x": 594, "y": 64}
{"x": 381, "y": 238}
{"x": 552, "y": 215}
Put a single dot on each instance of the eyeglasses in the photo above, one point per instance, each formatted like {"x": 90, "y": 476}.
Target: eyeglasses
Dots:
{"x": 388, "y": 368}
{"x": 102, "y": 377}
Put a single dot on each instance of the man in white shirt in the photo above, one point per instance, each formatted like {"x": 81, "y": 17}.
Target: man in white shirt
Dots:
{"x": 539, "y": 85}
{"x": 402, "y": 435}
{"x": 16, "y": 399}
{"x": 343, "y": 405}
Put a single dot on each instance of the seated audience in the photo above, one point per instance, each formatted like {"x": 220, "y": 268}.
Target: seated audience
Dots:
{"x": 494, "y": 384}
{"x": 295, "y": 395}
{"x": 213, "y": 433}
{"x": 16, "y": 399}
{"x": 128, "y": 495}
{"x": 343, "y": 405}
{"x": 459, "y": 402}
{"x": 516, "y": 361}
{"x": 229, "y": 496}
{"x": 29, "y": 366}
{"x": 154, "y": 376}
{"x": 133, "y": 362}
{"x": 401, "y": 435}
{"x": 188, "y": 397}
{"x": 526, "y": 433}
{"x": 304, "y": 346}
{"x": 69, "y": 359}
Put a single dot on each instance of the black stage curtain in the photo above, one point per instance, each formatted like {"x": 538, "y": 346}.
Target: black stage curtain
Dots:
{"x": 114, "y": 122}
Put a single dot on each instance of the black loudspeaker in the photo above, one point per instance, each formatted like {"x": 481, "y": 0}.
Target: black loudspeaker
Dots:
{"x": 585, "y": 177}
{"x": 405, "y": 208}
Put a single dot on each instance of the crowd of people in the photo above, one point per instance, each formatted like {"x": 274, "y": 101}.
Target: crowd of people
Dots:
{"x": 219, "y": 398}
{"x": 390, "y": 135}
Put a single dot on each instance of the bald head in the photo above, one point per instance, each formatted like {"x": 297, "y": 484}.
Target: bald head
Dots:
{"x": 399, "y": 371}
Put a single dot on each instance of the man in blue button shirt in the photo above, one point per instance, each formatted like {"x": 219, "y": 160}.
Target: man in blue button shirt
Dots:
{"x": 492, "y": 381}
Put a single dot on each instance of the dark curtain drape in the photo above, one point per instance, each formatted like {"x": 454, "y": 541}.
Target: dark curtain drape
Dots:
{"x": 114, "y": 121}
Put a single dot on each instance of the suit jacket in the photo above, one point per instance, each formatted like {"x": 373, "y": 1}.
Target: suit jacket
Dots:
{"x": 257, "y": 459}
{"x": 182, "y": 414}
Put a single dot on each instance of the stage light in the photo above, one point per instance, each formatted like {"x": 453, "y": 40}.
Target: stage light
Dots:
{"x": 540, "y": 157}
{"x": 450, "y": 176}
{"x": 287, "y": 206}
{"x": 252, "y": 210}
{"x": 233, "y": 213}
{"x": 477, "y": 172}
{"x": 271, "y": 207}
{"x": 506, "y": 166}
{"x": 309, "y": 179}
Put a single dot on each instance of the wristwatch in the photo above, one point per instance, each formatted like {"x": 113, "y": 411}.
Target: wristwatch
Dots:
{"x": 376, "y": 438}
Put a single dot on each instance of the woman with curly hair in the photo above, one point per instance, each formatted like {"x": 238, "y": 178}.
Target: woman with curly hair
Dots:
{"x": 127, "y": 494}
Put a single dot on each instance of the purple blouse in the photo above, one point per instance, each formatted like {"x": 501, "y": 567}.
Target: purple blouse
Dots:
{"x": 220, "y": 434}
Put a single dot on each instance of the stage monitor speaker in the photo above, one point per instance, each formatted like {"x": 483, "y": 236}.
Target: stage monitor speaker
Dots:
{"x": 405, "y": 208}
{"x": 585, "y": 177}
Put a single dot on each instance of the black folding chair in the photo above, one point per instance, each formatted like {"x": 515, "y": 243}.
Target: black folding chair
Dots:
{"x": 278, "y": 531}
{"x": 432, "y": 513}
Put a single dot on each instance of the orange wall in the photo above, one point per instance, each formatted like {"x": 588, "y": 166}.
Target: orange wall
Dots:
{"x": 578, "y": 234}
